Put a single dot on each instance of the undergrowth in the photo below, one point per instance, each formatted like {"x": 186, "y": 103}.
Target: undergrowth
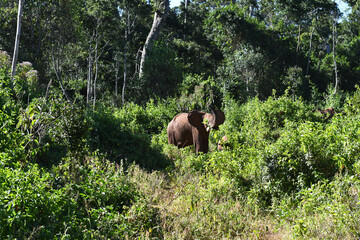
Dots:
{"x": 70, "y": 172}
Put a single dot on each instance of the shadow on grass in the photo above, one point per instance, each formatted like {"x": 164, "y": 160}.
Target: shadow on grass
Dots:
{"x": 109, "y": 135}
{"x": 131, "y": 148}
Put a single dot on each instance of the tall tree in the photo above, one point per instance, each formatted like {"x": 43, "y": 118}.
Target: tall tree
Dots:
{"x": 17, "y": 38}
{"x": 161, "y": 12}
{"x": 334, "y": 33}
{"x": 130, "y": 21}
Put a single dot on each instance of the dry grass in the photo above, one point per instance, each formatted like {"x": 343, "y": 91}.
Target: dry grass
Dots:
{"x": 192, "y": 206}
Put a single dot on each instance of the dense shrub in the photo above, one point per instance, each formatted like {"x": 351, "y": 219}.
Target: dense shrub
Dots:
{"x": 66, "y": 171}
{"x": 148, "y": 119}
{"x": 94, "y": 199}
{"x": 78, "y": 195}
{"x": 279, "y": 146}
{"x": 261, "y": 122}
{"x": 14, "y": 143}
{"x": 198, "y": 92}
{"x": 327, "y": 209}
{"x": 123, "y": 135}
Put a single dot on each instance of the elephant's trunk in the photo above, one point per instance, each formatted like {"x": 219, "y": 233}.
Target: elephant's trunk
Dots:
{"x": 218, "y": 118}
{"x": 215, "y": 115}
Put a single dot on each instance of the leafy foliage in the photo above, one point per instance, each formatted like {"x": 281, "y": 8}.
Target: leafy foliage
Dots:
{"x": 77, "y": 163}
{"x": 75, "y": 200}
{"x": 160, "y": 78}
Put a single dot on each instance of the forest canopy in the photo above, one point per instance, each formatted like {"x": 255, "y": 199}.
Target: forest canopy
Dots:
{"x": 248, "y": 48}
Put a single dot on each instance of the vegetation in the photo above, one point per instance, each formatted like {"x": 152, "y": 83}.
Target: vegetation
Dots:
{"x": 83, "y": 142}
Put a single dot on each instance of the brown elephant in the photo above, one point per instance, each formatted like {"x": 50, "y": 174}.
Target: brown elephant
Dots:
{"x": 193, "y": 128}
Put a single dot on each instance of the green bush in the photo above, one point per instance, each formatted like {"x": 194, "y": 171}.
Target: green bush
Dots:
{"x": 4, "y": 60}
{"x": 77, "y": 201}
{"x": 279, "y": 146}
{"x": 299, "y": 157}
{"x": 122, "y": 135}
{"x": 352, "y": 103}
{"x": 197, "y": 92}
{"x": 259, "y": 123}
{"x": 327, "y": 209}
{"x": 60, "y": 128}
{"x": 15, "y": 144}
{"x": 30, "y": 206}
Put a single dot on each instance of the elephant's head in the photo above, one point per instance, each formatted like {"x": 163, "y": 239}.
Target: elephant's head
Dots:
{"x": 216, "y": 118}
{"x": 206, "y": 121}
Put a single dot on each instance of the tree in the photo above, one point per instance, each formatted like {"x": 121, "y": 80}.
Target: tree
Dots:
{"x": 334, "y": 37}
{"x": 244, "y": 74}
{"x": 17, "y": 38}
{"x": 160, "y": 15}
{"x": 129, "y": 20}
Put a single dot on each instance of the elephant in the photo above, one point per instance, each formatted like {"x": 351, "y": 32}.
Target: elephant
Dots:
{"x": 193, "y": 128}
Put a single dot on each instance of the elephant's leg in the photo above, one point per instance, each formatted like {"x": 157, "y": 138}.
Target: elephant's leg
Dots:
{"x": 201, "y": 141}
{"x": 183, "y": 138}
{"x": 172, "y": 139}
{"x": 203, "y": 145}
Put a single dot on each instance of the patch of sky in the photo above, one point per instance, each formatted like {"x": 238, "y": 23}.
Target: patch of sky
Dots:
{"x": 343, "y": 6}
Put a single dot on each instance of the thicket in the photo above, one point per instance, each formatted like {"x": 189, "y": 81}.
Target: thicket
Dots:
{"x": 68, "y": 171}
{"x": 82, "y": 159}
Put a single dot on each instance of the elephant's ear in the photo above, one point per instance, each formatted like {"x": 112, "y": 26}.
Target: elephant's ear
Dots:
{"x": 196, "y": 118}
{"x": 220, "y": 117}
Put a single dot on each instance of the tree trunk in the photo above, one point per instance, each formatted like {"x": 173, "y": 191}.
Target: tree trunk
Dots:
{"x": 298, "y": 45}
{"x": 116, "y": 77}
{"x": 309, "y": 54}
{"x": 159, "y": 18}
{"x": 185, "y": 17}
{"x": 125, "y": 59}
{"x": 334, "y": 55}
{"x": 89, "y": 80}
{"x": 185, "y": 11}
{"x": 57, "y": 70}
{"x": 96, "y": 74}
{"x": 95, "y": 53}
{"x": 17, "y": 39}
{"x": 96, "y": 67}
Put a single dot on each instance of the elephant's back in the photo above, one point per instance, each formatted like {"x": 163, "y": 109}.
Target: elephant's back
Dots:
{"x": 179, "y": 131}
{"x": 180, "y": 120}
